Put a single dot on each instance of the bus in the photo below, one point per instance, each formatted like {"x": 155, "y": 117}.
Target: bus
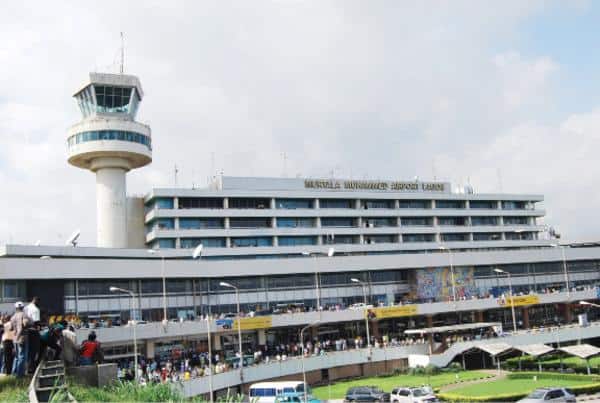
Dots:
{"x": 267, "y": 392}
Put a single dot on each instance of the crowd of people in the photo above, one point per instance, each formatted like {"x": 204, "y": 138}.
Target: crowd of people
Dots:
{"x": 25, "y": 340}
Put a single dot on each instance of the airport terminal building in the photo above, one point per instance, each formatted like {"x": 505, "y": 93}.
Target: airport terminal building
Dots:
{"x": 422, "y": 253}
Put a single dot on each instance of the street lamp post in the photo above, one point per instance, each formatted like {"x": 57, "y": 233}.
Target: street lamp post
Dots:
{"x": 164, "y": 283}
{"x": 451, "y": 258}
{"x": 512, "y": 302}
{"x": 330, "y": 253}
{"x": 135, "y": 349}
{"x": 303, "y": 370}
{"x": 197, "y": 255}
{"x": 362, "y": 284}
{"x": 239, "y": 321}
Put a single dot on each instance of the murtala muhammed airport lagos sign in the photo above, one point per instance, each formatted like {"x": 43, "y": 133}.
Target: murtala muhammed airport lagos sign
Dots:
{"x": 392, "y": 186}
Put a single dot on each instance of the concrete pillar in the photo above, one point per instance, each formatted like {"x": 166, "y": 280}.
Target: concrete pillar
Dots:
{"x": 479, "y": 316}
{"x": 430, "y": 335}
{"x": 525, "y": 316}
{"x": 176, "y": 203}
{"x": 568, "y": 313}
{"x": 226, "y": 223}
{"x": 226, "y": 202}
{"x": 317, "y": 203}
{"x": 375, "y": 333}
{"x": 111, "y": 204}
{"x": 262, "y": 337}
{"x": 216, "y": 342}
{"x": 149, "y": 349}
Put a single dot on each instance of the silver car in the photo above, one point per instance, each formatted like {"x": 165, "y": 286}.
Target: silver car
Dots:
{"x": 550, "y": 395}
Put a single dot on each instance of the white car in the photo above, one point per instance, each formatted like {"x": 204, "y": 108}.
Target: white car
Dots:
{"x": 423, "y": 394}
{"x": 550, "y": 395}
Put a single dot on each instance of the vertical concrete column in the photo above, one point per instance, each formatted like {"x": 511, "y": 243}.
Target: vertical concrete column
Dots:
{"x": 178, "y": 243}
{"x": 525, "y": 316}
{"x": 275, "y": 241}
{"x": 262, "y": 337}
{"x": 316, "y": 203}
{"x": 226, "y": 202}
{"x": 272, "y": 204}
{"x": 176, "y": 203}
{"x": 375, "y": 333}
{"x": 568, "y": 313}
{"x": 396, "y": 204}
{"x": 226, "y": 223}
{"x": 429, "y": 319}
{"x": 176, "y": 223}
{"x": 357, "y": 204}
{"x": 149, "y": 349}
{"x": 216, "y": 342}
{"x": 479, "y": 316}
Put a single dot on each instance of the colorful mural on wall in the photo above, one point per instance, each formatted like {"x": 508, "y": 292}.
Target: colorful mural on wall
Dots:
{"x": 435, "y": 283}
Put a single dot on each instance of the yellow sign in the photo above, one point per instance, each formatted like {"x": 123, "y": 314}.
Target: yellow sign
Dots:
{"x": 391, "y": 311}
{"x": 257, "y": 322}
{"x": 519, "y": 300}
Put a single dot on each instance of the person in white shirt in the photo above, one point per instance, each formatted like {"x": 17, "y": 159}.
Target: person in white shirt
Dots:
{"x": 32, "y": 309}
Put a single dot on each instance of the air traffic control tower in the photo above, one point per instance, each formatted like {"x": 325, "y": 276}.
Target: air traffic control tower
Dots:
{"x": 109, "y": 142}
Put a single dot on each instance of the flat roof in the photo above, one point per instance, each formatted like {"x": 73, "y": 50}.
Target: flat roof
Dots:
{"x": 452, "y": 328}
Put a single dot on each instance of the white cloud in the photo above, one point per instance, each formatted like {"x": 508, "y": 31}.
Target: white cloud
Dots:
{"x": 384, "y": 89}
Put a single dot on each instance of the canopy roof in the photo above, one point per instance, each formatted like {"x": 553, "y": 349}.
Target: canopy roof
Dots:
{"x": 535, "y": 350}
{"x": 452, "y": 328}
{"x": 495, "y": 348}
{"x": 584, "y": 351}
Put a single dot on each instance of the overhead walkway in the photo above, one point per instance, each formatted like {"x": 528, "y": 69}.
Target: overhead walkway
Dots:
{"x": 522, "y": 338}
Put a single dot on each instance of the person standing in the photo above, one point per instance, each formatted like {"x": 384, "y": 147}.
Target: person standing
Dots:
{"x": 90, "y": 351}
{"x": 8, "y": 348}
{"x": 33, "y": 355}
{"x": 19, "y": 323}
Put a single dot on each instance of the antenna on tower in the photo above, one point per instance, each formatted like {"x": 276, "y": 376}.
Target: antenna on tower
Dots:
{"x": 122, "y": 67}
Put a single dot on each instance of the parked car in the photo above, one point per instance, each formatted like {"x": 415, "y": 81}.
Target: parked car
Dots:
{"x": 366, "y": 394}
{"x": 413, "y": 395}
{"x": 550, "y": 395}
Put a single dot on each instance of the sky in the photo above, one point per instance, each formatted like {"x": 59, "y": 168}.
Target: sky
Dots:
{"x": 504, "y": 96}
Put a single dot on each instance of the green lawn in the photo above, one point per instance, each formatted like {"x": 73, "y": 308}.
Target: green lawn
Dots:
{"x": 513, "y": 386}
{"x": 387, "y": 383}
{"x": 13, "y": 390}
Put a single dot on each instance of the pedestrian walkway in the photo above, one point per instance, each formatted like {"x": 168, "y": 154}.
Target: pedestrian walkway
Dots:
{"x": 494, "y": 375}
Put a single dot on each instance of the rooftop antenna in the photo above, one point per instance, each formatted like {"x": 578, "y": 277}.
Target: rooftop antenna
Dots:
{"x": 122, "y": 67}
{"x": 213, "y": 172}
{"x": 175, "y": 171}
{"x": 433, "y": 169}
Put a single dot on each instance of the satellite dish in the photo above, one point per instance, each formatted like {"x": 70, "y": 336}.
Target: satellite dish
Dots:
{"x": 73, "y": 238}
{"x": 198, "y": 251}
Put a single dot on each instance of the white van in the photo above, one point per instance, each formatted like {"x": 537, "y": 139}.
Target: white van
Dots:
{"x": 266, "y": 392}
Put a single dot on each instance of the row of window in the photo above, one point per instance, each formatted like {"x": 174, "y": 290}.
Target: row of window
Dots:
{"x": 330, "y": 222}
{"x": 110, "y": 135}
{"x": 265, "y": 203}
{"x": 108, "y": 99}
{"x": 221, "y": 242}
{"x": 291, "y": 281}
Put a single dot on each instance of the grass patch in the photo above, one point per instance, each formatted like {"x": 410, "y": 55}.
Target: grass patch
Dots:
{"x": 13, "y": 389}
{"x": 126, "y": 392}
{"x": 518, "y": 385}
{"x": 387, "y": 383}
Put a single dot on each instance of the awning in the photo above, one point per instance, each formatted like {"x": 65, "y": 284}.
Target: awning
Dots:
{"x": 453, "y": 328}
{"x": 494, "y": 349}
{"x": 584, "y": 351}
{"x": 535, "y": 350}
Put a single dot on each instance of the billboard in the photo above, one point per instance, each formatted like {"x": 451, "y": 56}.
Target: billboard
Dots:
{"x": 519, "y": 300}
{"x": 257, "y": 322}
{"x": 435, "y": 283}
{"x": 391, "y": 312}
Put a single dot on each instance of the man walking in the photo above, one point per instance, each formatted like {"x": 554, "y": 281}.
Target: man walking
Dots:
{"x": 32, "y": 310}
{"x": 19, "y": 323}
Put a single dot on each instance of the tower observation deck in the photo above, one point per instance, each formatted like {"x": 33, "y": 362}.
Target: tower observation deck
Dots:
{"x": 109, "y": 142}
